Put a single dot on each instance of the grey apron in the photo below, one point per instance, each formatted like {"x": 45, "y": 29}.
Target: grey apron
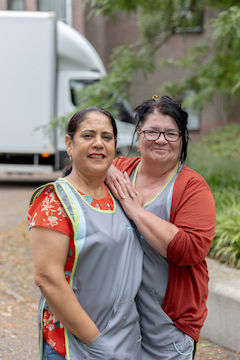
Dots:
{"x": 105, "y": 279}
{"x": 161, "y": 339}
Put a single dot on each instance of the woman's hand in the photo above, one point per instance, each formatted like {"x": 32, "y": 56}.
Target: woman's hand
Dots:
{"x": 118, "y": 184}
{"x": 130, "y": 201}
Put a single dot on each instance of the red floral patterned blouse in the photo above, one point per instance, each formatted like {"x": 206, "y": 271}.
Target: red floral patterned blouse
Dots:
{"x": 47, "y": 211}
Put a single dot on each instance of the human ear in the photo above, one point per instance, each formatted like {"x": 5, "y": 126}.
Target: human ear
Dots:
{"x": 68, "y": 143}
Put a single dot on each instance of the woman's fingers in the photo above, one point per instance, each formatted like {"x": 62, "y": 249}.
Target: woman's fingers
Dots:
{"x": 120, "y": 184}
{"x": 117, "y": 189}
{"x": 124, "y": 187}
{"x": 115, "y": 180}
{"x": 121, "y": 187}
{"x": 115, "y": 192}
{"x": 131, "y": 189}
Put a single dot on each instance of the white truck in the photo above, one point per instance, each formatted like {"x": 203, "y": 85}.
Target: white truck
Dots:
{"x": 43, "y": 62}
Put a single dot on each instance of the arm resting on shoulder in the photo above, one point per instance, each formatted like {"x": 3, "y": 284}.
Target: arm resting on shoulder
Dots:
{"x": 50, "y": 251}
{"x": 156, "y": 231}
{"x": 187, "y": 238}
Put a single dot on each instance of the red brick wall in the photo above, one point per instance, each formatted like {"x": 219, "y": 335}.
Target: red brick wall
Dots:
{"x": 3, "y": 4}
{"x": 78, "y": 21}
{"x": 31, "y": 5}
{"x": 105, "y": 35}
{"x": 95, "y": 32}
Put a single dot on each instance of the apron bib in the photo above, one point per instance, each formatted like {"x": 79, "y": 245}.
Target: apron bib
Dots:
{"x": 160, "y": 337}
{"x": 105, "y": 279}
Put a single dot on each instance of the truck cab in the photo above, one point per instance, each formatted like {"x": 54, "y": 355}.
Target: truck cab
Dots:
{"x": 42, "y": 65}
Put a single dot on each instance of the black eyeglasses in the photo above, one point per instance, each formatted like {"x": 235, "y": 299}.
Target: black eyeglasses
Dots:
{"x": 169, "y": 135}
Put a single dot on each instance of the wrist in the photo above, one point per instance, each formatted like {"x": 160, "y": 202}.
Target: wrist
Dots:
{"x": 139, "y": 215}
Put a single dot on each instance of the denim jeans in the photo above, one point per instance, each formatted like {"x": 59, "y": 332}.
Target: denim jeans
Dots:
{"x": 49, "y": 353}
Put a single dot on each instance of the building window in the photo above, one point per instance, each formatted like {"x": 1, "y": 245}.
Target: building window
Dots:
{"x": 193, "y": 118}
{"x": 194, "y": 112}
{"x": 58, "y": 6}
{"x": 191, "y": 22}
{"x": 16, "y": 5}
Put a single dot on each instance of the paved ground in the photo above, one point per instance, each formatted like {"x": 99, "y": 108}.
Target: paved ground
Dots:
{"x": 19, "y": 295}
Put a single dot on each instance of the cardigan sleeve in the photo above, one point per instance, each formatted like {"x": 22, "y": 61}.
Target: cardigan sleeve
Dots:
{"x": 126, "y": 164}
{"x": 193, "y": 212}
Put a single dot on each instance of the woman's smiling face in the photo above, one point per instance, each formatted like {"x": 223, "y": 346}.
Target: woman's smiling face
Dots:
{"x": 93, "y": 146}
{"x": 160, "y": 151}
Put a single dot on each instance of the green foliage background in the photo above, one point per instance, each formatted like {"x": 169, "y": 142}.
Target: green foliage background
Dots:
{"x": 217, "y": 158}
{"x": 213, "y": 64}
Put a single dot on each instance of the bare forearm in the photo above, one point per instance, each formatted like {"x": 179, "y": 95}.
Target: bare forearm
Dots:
{"x": 67, "y": 309}
{"x": 156, "y": 231}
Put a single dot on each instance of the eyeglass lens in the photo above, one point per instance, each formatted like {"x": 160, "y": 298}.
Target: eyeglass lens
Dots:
{"x": 168, "y": 135}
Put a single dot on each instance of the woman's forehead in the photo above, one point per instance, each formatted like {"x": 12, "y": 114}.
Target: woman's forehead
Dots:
{"x": 157, "y": 119}
{"x": 96, "y": 121}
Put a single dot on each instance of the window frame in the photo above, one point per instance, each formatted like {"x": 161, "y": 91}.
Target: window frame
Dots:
{"x": 192, "y": 29}
{"x": 62, "y": 19}
{"x": 10, "y": 4}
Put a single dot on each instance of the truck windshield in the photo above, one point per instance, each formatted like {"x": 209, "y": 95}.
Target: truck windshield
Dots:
{"x": 75, "y": 86}
{"x": 126, "y": 113}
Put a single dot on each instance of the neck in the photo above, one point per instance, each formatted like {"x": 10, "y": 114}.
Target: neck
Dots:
{"x": 156, "y": 173}
{"x": 89, "y": 185}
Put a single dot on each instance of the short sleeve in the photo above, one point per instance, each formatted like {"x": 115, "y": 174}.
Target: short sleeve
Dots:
{"x": 47, "y": 211}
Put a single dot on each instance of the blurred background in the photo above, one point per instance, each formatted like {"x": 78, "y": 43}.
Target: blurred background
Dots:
{"x": 58, "y": 56}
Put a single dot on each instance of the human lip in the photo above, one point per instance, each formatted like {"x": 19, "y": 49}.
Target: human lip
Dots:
{"x": 96, "y": 156}
{"x": 160, "y": 149}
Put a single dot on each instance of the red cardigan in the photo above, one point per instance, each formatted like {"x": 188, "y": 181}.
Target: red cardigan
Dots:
{"x": 193, "y": 212}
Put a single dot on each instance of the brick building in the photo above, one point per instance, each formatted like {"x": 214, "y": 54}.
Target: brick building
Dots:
{"x": 105, "y": 35}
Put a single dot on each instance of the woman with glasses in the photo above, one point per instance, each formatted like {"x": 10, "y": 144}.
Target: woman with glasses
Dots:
{"x": 174, "y": 212}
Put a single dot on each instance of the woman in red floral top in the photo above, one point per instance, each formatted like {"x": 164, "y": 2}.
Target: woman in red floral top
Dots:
{"x": 47, "y": 211}
{"x": 82, "y": 244}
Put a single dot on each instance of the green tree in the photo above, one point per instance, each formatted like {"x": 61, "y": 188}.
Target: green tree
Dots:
{"x": 215, "y": 62}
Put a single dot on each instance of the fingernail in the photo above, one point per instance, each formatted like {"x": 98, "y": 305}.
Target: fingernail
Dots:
{"x": 132, "y": 194}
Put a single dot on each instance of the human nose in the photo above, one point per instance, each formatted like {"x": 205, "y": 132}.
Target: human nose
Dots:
{"x": 161, "y": 137}
{"x": 98, "y": 142}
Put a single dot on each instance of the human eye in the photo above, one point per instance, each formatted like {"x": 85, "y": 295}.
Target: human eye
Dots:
{"x": 171, "y": 133}
{"x": 107, "y": 137}
{"x": 87, "y": 135}
{"x": 151, "y": 132}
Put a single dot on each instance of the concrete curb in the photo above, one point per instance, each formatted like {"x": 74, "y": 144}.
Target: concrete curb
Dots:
{"x": 222, "y": 325}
